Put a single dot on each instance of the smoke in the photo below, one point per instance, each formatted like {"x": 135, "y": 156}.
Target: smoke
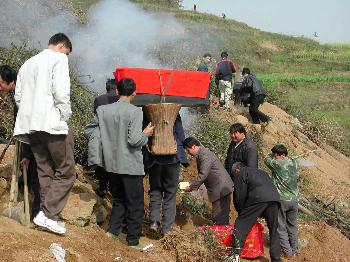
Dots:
{"x": 189, "y": 118}
{"x": 33, "y": 22}
{"x": 117, "y": 34}
{"x": 120, "y": 34}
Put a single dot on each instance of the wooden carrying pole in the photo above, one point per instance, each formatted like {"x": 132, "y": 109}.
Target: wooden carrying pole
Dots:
{"x": 14, "y": 178}
{"x": 26, "y": 199}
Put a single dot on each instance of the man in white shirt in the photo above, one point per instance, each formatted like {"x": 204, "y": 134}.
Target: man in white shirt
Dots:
{"x": 43, "y": 97}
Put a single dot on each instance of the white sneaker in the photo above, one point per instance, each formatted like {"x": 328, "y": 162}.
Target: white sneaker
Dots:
{"x": 52, "y": 225}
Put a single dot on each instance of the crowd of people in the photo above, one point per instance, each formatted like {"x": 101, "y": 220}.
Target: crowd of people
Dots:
{"x": 246, "y": 90}
{"x": 118, "y": 138}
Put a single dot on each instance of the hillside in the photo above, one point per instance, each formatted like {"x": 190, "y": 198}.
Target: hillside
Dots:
{"x": 308, "y": 88}
{"x": 308, "y": 80}
{"x": 327, "y": 181}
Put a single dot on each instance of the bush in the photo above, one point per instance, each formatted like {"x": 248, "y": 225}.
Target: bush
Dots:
{"x": 81, "y": 99}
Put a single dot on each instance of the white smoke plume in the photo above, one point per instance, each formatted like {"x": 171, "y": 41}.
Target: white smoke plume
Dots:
{"x": 117, "y": 34}
{"x": 120, "y": 34}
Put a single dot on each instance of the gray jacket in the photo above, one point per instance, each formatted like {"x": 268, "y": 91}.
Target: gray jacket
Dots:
{"x": 212, "y": 173}
{"x": 119, "y": 127}
{"x": 93, "y": 135}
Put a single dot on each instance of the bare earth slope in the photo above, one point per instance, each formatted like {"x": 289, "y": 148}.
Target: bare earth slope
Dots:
{"x": 328, "y": 179}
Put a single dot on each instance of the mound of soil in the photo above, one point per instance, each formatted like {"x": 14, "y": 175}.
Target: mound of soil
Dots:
{"x": 328, "y": 179}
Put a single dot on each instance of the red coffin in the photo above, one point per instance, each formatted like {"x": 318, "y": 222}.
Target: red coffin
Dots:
{"x": 180, "y": 83}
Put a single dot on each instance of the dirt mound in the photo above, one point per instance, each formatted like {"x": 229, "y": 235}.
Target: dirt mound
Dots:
{"x": 320, "y": 242}
{"x": 328, "y": 179}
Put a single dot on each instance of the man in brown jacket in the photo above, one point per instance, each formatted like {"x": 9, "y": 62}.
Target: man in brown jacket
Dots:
{"x": 212, "y": 173}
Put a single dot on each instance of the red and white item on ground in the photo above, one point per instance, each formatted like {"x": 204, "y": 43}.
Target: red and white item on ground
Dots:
{"x": 254, "y": 244}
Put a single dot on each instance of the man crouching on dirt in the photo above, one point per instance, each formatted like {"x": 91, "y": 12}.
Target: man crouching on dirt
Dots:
{"x": 254, "y": 196}
{"x": 43, "y": 97}
{"x": 212, "y": 173}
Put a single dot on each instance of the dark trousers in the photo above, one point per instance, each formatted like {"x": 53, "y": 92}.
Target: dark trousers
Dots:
{"x": 221, "y": 210}
{"x": 56, "y": 170}
{"x": 254, "y": 111}
{"x": 248, "y": 217}
{"x": 164, "y": 180}
{"x": 127, "y": 194}
{"x": 33, "y": 185}
{"x": 103, "y": 180}
{"x": 237, "y": 93}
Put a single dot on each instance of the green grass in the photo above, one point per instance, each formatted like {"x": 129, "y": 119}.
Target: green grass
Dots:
{"x": 78, "y": 7}
{"x": 81, "y": 100}
{"x": 321, "y": 104}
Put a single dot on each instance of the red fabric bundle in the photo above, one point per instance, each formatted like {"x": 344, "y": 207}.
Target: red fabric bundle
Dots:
{"x": 254, "y": 244}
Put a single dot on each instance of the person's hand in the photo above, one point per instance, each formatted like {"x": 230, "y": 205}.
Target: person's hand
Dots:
{"x": 148, "y": 131}
{"x": 188, "y": 189}
{"x": 24, "y": 162}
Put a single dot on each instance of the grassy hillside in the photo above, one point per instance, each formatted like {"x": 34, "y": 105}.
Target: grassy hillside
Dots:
{"x": 309, "y": 80}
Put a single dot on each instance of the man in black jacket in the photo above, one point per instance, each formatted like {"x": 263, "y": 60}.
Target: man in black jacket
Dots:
{"x": 241, "y": 149}
{"x": 255, "y": 88}
{"x": 109, "y": 98}
{"x": 254, "y": 196}
{"x": 164, "y": 172}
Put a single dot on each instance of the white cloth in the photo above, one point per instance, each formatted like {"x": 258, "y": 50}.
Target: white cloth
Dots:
{"x": 42, "y": 94}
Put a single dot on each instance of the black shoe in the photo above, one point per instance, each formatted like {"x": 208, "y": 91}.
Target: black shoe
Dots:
{"x": 154, "y": 226}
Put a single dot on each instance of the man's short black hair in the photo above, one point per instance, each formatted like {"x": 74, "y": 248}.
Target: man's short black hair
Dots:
{"x": 237, "y": 127}
{"x": 61, "y": 38}
{"x": 8, "y": 74}
{"x": 246, "y": 70}
{"x": 207, "y": 54}
{"x": 279, "y": 150}
{"x": 190, "y": 141}
{"x": 224, "y": 54}
{"x": 111, "y": 84}
{"x": 126, "y": 86}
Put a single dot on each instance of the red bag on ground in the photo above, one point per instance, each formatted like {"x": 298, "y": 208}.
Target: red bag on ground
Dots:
{"x": 254, "y": 244}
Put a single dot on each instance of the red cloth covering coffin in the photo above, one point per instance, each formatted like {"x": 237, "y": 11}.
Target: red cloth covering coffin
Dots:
{"x": 254, "y": 244}
{"x": 178, "y": 86}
